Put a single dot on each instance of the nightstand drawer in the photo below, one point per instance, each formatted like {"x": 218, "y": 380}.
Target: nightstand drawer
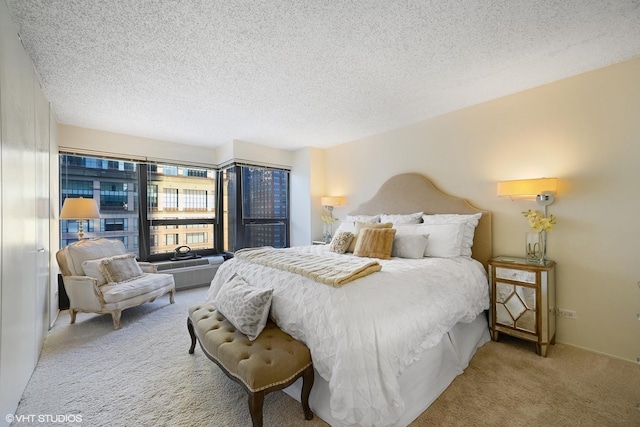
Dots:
{"x": 523, "y": 276}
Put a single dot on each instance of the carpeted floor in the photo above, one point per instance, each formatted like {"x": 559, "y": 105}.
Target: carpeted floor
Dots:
{"x": 142, "y": 375}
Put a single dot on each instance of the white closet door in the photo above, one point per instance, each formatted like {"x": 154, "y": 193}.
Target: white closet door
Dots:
{"x": 18, "y": 349}
{"x": 43, "y": 215}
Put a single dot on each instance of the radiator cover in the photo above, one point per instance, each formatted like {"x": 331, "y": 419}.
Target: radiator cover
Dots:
{"x": 191, "y": 273}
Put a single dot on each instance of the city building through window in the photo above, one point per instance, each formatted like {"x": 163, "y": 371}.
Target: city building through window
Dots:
{"x": 154, "y": 208}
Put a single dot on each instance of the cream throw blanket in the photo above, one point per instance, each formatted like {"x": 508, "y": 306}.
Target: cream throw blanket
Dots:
{"x": 329, "y": 270}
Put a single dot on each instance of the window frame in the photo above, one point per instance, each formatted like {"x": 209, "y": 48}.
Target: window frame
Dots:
{"x": 241, "y": 224}
{"x": 146, "y": 223}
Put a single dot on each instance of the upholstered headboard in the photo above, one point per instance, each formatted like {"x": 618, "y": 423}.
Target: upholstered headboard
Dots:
{"x": 412, "y": 192}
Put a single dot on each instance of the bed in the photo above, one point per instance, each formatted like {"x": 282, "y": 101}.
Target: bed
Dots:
{"x": 386, "y": 345}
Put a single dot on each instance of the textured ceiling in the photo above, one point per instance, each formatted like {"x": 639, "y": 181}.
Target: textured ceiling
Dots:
{"x": 305, "y": 73}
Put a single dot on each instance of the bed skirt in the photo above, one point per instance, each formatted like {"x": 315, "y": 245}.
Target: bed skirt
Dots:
{"x": 422, "y": 382}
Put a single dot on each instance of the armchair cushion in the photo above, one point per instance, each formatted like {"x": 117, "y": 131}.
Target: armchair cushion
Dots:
{"x": 91, "y": 268}
{"x": 89, "y": 249}
{"x": 142, "y": 285}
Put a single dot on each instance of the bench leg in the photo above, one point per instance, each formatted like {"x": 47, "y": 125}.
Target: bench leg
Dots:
{"x": 307, "y": 383}
{"x": 256, "y": 401}
{"x": 193, "y": 336}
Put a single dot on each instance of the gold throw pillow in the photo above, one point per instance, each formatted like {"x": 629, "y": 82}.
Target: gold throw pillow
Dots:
{"x": 375, "y": 243}
{"x": 362, "y": 225}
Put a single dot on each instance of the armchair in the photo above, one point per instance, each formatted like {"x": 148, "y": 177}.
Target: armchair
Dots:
{"x": 101, "y": 277}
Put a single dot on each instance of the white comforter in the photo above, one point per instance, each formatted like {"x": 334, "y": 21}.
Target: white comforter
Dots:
{"x": 364, "y": 334}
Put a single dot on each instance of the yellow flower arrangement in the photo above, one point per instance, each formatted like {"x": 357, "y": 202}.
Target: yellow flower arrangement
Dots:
{"x": 327, "y": 217}
{"x": 538, "y": 222}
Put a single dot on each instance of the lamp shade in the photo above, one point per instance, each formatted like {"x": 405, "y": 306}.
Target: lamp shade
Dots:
{"x": 79, "y": 208}
{"x": 332, "y": 201}
{"x": 527, "y": 188}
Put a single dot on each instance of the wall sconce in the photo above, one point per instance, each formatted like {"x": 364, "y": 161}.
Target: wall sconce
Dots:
{"x": 80, "y": 209}
{"x": 541, "y": 190}
{"x": 329, "y": 202}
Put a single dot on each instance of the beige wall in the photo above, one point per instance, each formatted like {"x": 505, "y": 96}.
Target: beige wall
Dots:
{"x": 243, "y": 151}
{"x": 584, "y": 130}
{"x": 89, "y": 141}
{"x": 307, "y": 187}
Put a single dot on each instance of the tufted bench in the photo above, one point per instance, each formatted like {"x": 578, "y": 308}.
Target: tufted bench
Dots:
{"x": 272, "y": 362}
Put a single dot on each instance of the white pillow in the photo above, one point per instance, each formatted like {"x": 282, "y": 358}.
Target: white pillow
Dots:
{"x": 245, "y": 306}
{"x": 470, "y": 222}
{"x": 91, "y": 268}
{"x": 414, "y": 218}
{"x": 349, "y": 226}
{"x": 410, "y": 246}
{"x": 363, "y": 218}
{"x": 445, "y": 240}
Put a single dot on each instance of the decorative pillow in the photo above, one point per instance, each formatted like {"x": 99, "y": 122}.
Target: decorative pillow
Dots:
{"x": 120, "y": 268}
{"x": 245, "y": 306}
{"x": 91, "y": 268}
{"x": 414, "y": 218}
{"x": 445, "y": 240}
{"x": 362, "y": 225}
{"x": 375, "y": 243}
{"x": 470, "y": 222}
{"x": 410, "y": 246}
{"x": 340, "y": 242}
{"x": 363, "y": 218}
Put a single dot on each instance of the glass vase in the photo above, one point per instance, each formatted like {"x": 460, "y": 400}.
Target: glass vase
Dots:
{"x": 327, "y": 232}
{"x": 536, "y": 247}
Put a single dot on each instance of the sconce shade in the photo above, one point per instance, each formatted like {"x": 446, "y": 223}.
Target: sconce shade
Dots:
{"x": 79, "y": 208}
{"x": 527, "y": 188}
{"x": 332, "y": 201}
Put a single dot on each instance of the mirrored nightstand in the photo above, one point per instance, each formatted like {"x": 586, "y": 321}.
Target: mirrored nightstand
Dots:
{"x": 523, "y": 301}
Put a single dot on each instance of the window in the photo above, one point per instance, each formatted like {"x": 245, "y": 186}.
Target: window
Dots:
{"x": 153, "y": 208}
{"x": 171, "y": 239}
{"x": 177, "y": 197}
{"x": 196, "y": 238}
{"x": 257, "y": 207}
{"x": 152, "y": 197}
{"x": 170, "y": 199}
{"x": 187, "y": 200}
{"x": 114, "y": 184}
{"x": 195, "y": 200}
{"x": 202, "y": 173}
{"x": 114, "y": 196}
{"x": 114, "y": 224}
{"x": 76, "y": 188}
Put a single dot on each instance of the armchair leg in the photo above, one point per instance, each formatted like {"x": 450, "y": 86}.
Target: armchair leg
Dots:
{"x": 172, "y": 293}
{"x": 73, "y": 313}
{"x": 115, "y": 314}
